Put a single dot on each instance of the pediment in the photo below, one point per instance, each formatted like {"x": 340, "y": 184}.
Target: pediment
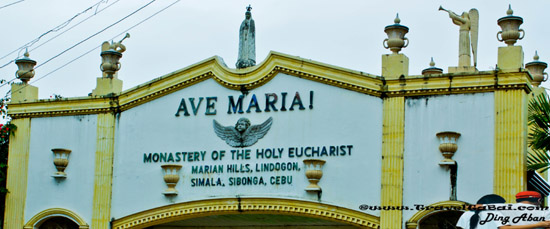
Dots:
{"x": 251, "y": 78}
{"x": 212, "y": 68}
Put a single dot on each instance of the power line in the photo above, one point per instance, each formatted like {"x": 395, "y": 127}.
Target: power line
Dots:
{"x": 97, "y": 11}
{"x": 93, "y": 35}
{"x": 89, "y": 51}
{"x": 62, "y": 66}
{"x": 13, "y": 3}
{"x": 7, "y": 82}
{"x": 82, "y": 41}
{"x": 55, "y": 29}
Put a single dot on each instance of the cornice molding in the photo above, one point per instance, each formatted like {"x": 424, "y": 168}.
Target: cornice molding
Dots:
{"x": 256, "y": 76}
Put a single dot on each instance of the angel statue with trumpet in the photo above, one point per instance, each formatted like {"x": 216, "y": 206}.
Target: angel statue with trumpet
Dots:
{"x": 469, "y": 25}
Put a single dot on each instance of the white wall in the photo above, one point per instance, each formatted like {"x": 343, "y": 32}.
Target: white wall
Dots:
{"x": 472, "y": 115}
{"x": 339, "y": 117}
{"x": 77, "y": 133}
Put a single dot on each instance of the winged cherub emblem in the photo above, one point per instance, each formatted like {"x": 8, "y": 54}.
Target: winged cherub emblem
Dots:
{"x": 242, "y": 134}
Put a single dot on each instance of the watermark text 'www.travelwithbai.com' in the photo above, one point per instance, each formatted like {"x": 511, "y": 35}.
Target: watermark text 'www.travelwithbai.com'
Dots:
{"x": 421, "y": 207}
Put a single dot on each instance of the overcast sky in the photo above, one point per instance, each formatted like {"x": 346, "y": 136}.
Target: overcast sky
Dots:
{"x": 344, "y": 33}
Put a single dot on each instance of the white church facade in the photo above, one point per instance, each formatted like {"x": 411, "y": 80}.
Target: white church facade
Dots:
{"x": 284, "y": 142}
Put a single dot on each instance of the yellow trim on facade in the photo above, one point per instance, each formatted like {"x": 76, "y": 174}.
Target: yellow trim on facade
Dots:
{"x": 61, "y": 107}
{"x": 253, "y": 77}
{"x": 101, "y": 215}
{"x": 510, "y": 167}
{"x": 202, "y": 208}
{"x": 393, "y": 139}
{"x": 458, "y": 83}
{"x": 413, "y": 222}
{"x": 16, "y": 181}
{"x": 36, "y": 220}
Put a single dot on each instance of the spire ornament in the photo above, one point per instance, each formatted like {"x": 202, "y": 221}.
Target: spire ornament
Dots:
{"x": 247, "y": 41}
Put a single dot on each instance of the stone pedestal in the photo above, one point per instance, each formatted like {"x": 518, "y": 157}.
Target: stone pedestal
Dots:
{"x": 22, "y": 92}
{"x": 107, "y": 86}
{"x": 510, "y": 58}
{"x": 462, "y": 69}
{"x": 394, "y": 65}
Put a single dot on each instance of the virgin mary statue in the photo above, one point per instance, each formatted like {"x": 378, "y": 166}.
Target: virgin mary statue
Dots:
{"x": 247, "y": 42}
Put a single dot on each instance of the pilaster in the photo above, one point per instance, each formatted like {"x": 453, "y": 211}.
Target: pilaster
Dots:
{"x": 16, "y": 183}
{"x": 393, "y": 138}
{"x": 103, "y": 180}
{"x": 510, "y": 143}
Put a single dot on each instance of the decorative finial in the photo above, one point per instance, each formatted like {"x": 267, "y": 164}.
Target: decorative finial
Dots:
{"x": 248, "y": 8}
{"x": 510, "y": 32}
{"x": 536, "y": 68}
{"x": 432, "y": 70}
{"x": 110, "y": 58}
{"x": 25, "y": 67}
{"x": 397, "y": 20}
{"x": 396, "y": 36}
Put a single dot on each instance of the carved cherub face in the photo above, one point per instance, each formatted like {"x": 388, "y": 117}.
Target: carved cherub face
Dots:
{"x": 242, "y": 124}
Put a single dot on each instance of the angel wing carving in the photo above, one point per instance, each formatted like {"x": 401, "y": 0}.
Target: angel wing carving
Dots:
{"x": 229, "y": 134}
{"x": 242, "y": 134}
